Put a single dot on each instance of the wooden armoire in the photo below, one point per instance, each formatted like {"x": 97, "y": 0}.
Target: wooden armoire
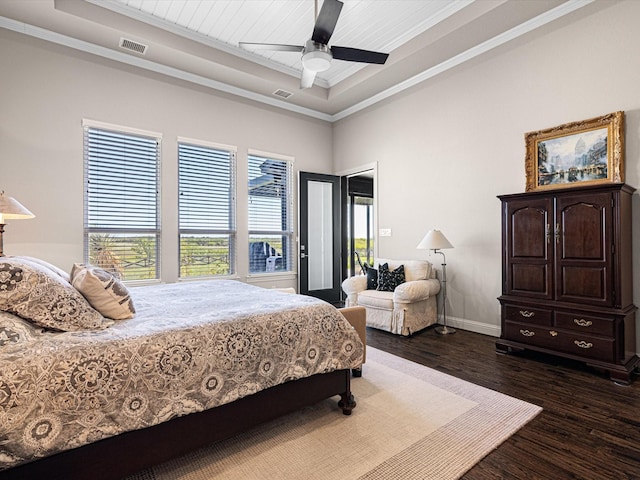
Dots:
{"x": 567, "y": 276}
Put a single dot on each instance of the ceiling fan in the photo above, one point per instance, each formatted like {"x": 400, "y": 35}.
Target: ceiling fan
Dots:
{"x": 316, "y": 54}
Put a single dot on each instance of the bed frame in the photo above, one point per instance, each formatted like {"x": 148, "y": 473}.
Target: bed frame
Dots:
{"x": 116, "y": 457}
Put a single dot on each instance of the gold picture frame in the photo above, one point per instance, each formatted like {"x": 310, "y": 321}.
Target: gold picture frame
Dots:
{"x": 579, "y": 153}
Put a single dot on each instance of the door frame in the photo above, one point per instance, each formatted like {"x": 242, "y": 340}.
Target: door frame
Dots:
{"x": 343, "y": 244}
{"x": 353, "y": 172}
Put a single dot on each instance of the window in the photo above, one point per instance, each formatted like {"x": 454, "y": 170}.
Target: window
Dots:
{"x": 122, "y": 207}
{"x": 206, "y": 209}
{"x": 270, "y": 222}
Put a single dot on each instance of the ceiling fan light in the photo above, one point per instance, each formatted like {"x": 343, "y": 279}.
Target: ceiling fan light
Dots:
{"x": 318, "y": 61}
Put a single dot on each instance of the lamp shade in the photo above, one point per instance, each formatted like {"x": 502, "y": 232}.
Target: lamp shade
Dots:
{"x": 10, "y": 208}
{"x": 434, "y": 240}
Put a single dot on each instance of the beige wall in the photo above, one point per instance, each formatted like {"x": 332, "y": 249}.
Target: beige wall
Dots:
{"x": 444, "y": 150}
{"x": 448, "y": 147}
{"x": 47, "y": 90}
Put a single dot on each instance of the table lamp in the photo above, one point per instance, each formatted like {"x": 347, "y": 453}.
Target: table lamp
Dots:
{"x": 10, "y": 209}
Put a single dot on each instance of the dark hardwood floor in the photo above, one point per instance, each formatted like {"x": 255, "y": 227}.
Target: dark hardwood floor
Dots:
{"x": 589, "y": 427}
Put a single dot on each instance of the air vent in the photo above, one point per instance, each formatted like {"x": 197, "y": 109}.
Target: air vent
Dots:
{"x": 282, "y": 93}
{"x": 133, "y": 46}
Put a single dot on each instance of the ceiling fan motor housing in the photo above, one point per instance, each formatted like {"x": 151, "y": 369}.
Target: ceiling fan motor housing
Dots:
{"x": 316, "y": 56}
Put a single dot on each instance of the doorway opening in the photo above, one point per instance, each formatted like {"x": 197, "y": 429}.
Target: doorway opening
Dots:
{"x": 359, "y": 241}
{"x": 337, "y": 222}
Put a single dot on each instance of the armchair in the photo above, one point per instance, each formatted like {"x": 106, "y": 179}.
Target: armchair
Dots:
{"x": 409, "y": 308}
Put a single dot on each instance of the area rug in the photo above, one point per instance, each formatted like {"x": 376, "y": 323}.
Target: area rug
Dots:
{"x": 411, "y": 423}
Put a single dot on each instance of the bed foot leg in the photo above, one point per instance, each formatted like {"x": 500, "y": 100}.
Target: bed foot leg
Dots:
{"x": 356, "y": 372}
{"x": 347, "y": 403}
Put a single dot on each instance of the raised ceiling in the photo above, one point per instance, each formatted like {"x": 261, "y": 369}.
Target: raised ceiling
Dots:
{"x": 197, "y": 41}
{"x": 225, "y": 23}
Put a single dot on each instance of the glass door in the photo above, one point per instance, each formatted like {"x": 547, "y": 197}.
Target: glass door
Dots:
{"x": 319, "y": 228}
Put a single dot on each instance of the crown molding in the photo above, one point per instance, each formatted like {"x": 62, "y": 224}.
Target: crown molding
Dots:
{"x": 522, "y": 29}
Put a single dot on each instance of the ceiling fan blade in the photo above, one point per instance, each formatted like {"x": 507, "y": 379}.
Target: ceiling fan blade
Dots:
{"x": 308, "y": 76}
{"x": 326, "y": 21}
{"x": 271, "y": 46}
{"x": 358, "y": 55}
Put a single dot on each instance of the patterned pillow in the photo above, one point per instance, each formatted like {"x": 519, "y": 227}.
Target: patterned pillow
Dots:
{"x": 389, "y": 280}
{"x": 103, "y": 291}
{"x": 372, "y": 277}
{"x": 14, "y": 330}
{"x": 45, "y": 264}
{"x": 35, "y": 293}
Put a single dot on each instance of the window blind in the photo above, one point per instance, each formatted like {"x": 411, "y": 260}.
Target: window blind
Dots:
{"x": 206, "y": 210}
{"x": 122, "y": 180}
{"x": 270, "y": 210}
{"x": 122, "y": 227}
{"x": 206, "y": 180}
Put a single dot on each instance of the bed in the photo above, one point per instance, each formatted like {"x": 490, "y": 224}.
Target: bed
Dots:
{"x": 199, "y": 362}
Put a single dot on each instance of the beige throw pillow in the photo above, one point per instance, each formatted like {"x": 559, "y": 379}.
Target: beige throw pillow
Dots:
{"x": 103, "y": 291}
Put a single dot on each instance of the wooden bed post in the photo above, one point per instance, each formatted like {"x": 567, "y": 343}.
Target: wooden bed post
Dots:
{"x": 347, "y": 403}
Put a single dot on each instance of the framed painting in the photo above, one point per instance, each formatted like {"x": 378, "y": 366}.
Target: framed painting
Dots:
{"x": 578, "y": 153}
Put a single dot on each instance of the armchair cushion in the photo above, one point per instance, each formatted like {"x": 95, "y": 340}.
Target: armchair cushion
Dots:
{"x": 376, "y": 299}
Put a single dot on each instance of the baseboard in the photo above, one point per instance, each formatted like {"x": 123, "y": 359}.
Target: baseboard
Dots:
{"x": 474, "y": 326}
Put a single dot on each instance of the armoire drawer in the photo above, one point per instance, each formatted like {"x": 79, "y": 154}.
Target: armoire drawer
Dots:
{"x": 586, "y": 324}
{"x": 519, "y": 313}
{"x": 563, "y": 341}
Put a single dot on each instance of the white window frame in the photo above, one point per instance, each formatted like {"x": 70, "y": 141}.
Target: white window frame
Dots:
{"x": 231, "y": 230}
{"x": 288, "y": 231}
{"x": 152, "y": 228}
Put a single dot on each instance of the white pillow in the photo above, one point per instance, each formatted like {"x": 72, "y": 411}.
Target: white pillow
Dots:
{"x": 103, "y": 291}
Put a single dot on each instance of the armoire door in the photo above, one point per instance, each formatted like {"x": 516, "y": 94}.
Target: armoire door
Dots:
{"x": 584, "y": 232}
{"x": 528, "y": 248}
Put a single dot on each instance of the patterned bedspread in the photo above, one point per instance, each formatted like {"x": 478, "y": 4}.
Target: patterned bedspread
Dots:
{"x": 190, "y": 347}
